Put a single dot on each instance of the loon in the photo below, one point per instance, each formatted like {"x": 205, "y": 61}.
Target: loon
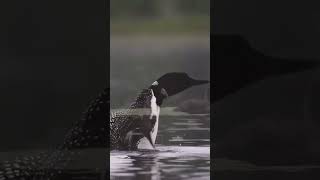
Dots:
{"x": 129, "y": 129}
{"x": 136, "y": 127}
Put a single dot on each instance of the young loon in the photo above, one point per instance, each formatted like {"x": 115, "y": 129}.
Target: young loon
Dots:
{"x": 137, "y": 126}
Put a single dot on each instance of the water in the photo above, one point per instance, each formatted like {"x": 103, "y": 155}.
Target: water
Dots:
{"x": 182, "y": 151}
{"x": 235, "y": 169}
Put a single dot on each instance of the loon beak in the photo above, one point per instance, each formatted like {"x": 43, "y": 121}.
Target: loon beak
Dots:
{"x": 199, "y": 82}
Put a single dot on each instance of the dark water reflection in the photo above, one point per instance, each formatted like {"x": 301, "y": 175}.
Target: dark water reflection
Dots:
{"x": 182, "y": 151}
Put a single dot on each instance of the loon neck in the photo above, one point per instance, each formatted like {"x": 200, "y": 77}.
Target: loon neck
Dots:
{"x": 144, "y": 143}
{"x": 158, "y": 94}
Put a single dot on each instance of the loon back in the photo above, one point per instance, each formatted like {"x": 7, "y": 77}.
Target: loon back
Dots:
{"x": 129, "y": 126}
{"x": 91, "y": 130}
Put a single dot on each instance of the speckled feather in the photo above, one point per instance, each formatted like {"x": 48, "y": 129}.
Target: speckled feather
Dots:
{"x": 91, "y": 130}
{"x": 124, "y": 121}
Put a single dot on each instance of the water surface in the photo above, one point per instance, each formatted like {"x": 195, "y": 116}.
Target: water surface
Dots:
{"x": 182, "y": 151}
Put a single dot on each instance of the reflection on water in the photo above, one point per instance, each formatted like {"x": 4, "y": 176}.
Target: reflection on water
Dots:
{"x": 182, "y": 151}
{"x": 167, "y": 162}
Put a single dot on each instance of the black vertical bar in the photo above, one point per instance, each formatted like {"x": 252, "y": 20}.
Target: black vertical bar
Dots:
{"x": 107, "y": 23}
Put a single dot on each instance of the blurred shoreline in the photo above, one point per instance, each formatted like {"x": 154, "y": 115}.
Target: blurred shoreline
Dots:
{"x": 175, "y": 25}
{"x": 161, "y": 38}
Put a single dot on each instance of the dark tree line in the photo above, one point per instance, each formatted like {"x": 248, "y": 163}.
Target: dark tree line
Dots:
{"x": 158, "y": 8}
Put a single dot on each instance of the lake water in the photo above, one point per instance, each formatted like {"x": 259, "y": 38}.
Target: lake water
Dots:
{"x": 182, "y": 151}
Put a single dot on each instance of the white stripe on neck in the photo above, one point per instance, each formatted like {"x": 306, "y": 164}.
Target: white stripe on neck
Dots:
{"x": 155, "y": 111}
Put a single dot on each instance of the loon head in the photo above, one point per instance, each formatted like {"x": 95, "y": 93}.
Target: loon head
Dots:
{"x": 167, "y": 85}
{"x": 173, "y": 83}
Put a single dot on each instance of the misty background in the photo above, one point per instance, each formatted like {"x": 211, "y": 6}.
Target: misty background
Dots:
{"x": 151, "y": 38}
{"x": 53, "y": 61}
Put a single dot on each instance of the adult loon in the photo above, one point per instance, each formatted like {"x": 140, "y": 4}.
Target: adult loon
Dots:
{"x": 91, "y": 130}
{"x": 137, "y": 127}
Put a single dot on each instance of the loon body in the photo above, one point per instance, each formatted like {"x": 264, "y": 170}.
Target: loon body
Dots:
{"x": 128, "y": 126}
{"x": 137, "y": 127}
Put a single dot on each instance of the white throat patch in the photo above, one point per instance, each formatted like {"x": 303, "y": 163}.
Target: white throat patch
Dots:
{"x": 155, "y": 111}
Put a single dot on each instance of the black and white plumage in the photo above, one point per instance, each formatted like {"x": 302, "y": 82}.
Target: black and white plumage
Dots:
{"x": 137, "y": 127}
{"x": 129, "y": 126}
